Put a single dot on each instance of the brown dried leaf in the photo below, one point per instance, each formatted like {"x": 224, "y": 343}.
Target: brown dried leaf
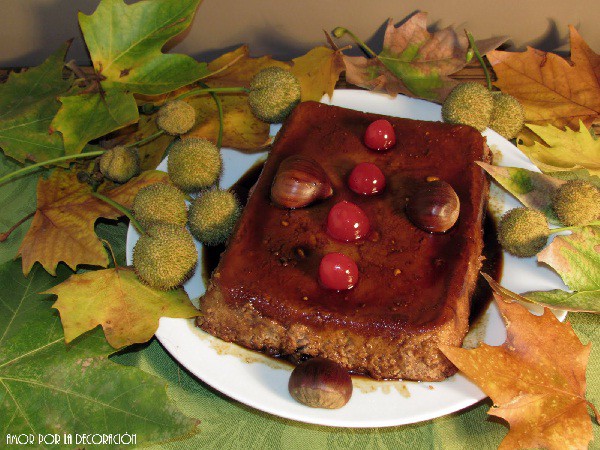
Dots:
{"x": 415, "y": 62}
{"x": 63, "y": 224}
{"x": 536, "y": 379}
{"x": 551, "y": 89}
{"x": 318, "y": 71}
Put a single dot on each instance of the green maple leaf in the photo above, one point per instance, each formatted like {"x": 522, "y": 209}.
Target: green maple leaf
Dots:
{"x": 576, "y": 258}
{"x": 125, "y": 43}
{"x": 47, "y": 386}
{"x": 28, "y": 105}
{"x": 85, "y": 117}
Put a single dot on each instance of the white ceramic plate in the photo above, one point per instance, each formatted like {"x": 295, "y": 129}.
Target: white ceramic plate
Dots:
{"x": 261, "y": 382}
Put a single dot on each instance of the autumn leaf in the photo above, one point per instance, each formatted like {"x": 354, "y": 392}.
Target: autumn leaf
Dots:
{"x": 48, "y": 387}
{"x": 551, "y": 89}
{"x": 554, "y": 299}
{"x": 566, "y": 150}
{"x": 127, "y": 309}
{"x": 318, "y": 71}
{"x": 125, "y": 44}
{"x": 241, "y": 129}
{"x": 533, "y": 189}
{"x": 83, "y": 117}
{"x": 414, "y": 61}
{"x": 576, "y": 258}
{"x": 27, "y": 106}
{"x": 63, "y": 225}
{"x": 536, "y": 379}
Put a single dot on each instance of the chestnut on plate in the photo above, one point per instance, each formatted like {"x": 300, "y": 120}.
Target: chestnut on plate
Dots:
{"x": 320, "y": 383}
{"x": 434, "y": 207}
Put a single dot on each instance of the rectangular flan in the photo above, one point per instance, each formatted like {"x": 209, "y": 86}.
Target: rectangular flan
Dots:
{"x": 414, "y": 287}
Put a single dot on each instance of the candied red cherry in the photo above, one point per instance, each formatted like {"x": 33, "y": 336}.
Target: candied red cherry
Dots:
{"x": 338, "y": 271}
{"x": 366, "y": 179}
{"x": 380, "y": 135}
{"x": 347, "y": 222}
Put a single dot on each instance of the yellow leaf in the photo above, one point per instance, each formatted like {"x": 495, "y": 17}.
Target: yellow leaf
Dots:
{"x": 568, "y": 149}
{"x": 63, "y": 224}
{"x": 318, "y": 71}
{"x": 551, "y": 89}
{"x": 536, "y": 379}
{"x": 127, "y": 309}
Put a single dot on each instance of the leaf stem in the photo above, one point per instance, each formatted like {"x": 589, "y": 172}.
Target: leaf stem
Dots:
{"x": 338, "y": 32}
{"x": 574, "y": 227}
{"x": 122, "y": 209}
{"x": 112, "y": 253}
{"x": 593, "y": 408}
{"x": 50, "y": 161}
{"x": 146, "y": 139}
{"x": 220, "y": 112}
{"x": 4, "y": 236}
{"x": 473, "y": 46}
{"x": 219, "y": 90}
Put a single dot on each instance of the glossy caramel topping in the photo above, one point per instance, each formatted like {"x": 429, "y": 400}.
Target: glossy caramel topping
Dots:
{"x": 408, "y": 278}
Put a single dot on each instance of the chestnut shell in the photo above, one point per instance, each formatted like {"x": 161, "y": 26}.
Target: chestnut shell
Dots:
{"x": 434, "y": 207}
{"x": 320, "y": 383}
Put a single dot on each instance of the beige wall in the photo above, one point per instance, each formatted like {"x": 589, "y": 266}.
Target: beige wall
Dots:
{"x": 31, "y": 29}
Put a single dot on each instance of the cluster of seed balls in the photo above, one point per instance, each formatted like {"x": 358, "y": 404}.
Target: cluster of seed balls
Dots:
{"x": 473, "y": 104}
{"x": 165, "y": 254}
{"x": 524, "y": 231}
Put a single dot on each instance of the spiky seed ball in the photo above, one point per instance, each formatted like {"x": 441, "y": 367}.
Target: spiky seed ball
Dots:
{"x": 577, "y": 202}
{"x": 120, "y": 164}
{"x": 194, "y": 164}
{"x": 468, "y": 104}
{"x": 508, "y": 115}
{"x": 523, "y": 232}
{"x": 164, "y": 256}
{"x": 274, "y": 93}
{"x": 212, "y": 216}
{"x": 160, "y": 203}
{"x": 176, "y": 117}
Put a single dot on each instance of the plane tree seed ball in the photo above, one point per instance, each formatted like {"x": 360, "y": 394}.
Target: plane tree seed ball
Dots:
{"x": 274, "y": 93}
{"x": 212, "y": 216}
{"x": 160, "y": 203}
{"x": 120, "y": 164}
{"x": 176, "y": 117}
{"x": 468, "y": 104}
{"x": 194, "y": 164}
{"x": 165, "y": 256}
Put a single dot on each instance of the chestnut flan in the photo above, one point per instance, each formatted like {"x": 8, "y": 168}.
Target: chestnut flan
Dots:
{"x": 414, "y": 287}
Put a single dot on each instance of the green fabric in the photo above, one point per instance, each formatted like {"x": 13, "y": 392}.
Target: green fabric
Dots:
{"x": 227, "y": 424}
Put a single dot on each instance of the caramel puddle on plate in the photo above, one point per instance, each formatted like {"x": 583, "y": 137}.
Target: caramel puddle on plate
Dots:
{"x": 363, "y": 384}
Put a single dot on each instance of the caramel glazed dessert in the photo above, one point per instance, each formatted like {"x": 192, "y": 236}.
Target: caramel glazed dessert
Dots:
{"x": 413, "y": 287}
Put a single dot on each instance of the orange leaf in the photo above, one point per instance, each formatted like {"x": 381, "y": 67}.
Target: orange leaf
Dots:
{"x": 63, "y": 224}
{"x": 318, "y": 71}
{"x": 536, "y": 379}
{"x": 127, "y": 309}
{"x": 551, "y": 89}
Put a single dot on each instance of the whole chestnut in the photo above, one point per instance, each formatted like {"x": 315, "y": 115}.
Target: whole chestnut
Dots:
{"x": 434, "y": 207}
{"x": 299, "y": 181}
{"x": 320, "y": 383}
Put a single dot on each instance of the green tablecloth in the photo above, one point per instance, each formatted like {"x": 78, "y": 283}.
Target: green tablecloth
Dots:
{"x": 227, "y": 424}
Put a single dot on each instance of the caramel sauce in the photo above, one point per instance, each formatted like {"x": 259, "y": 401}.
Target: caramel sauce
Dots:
{"x": 492, "y": 251}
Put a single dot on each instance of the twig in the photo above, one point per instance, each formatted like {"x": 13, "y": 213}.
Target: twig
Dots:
{"x": 4, "y": 236}
{"x": 121, "y": 209}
